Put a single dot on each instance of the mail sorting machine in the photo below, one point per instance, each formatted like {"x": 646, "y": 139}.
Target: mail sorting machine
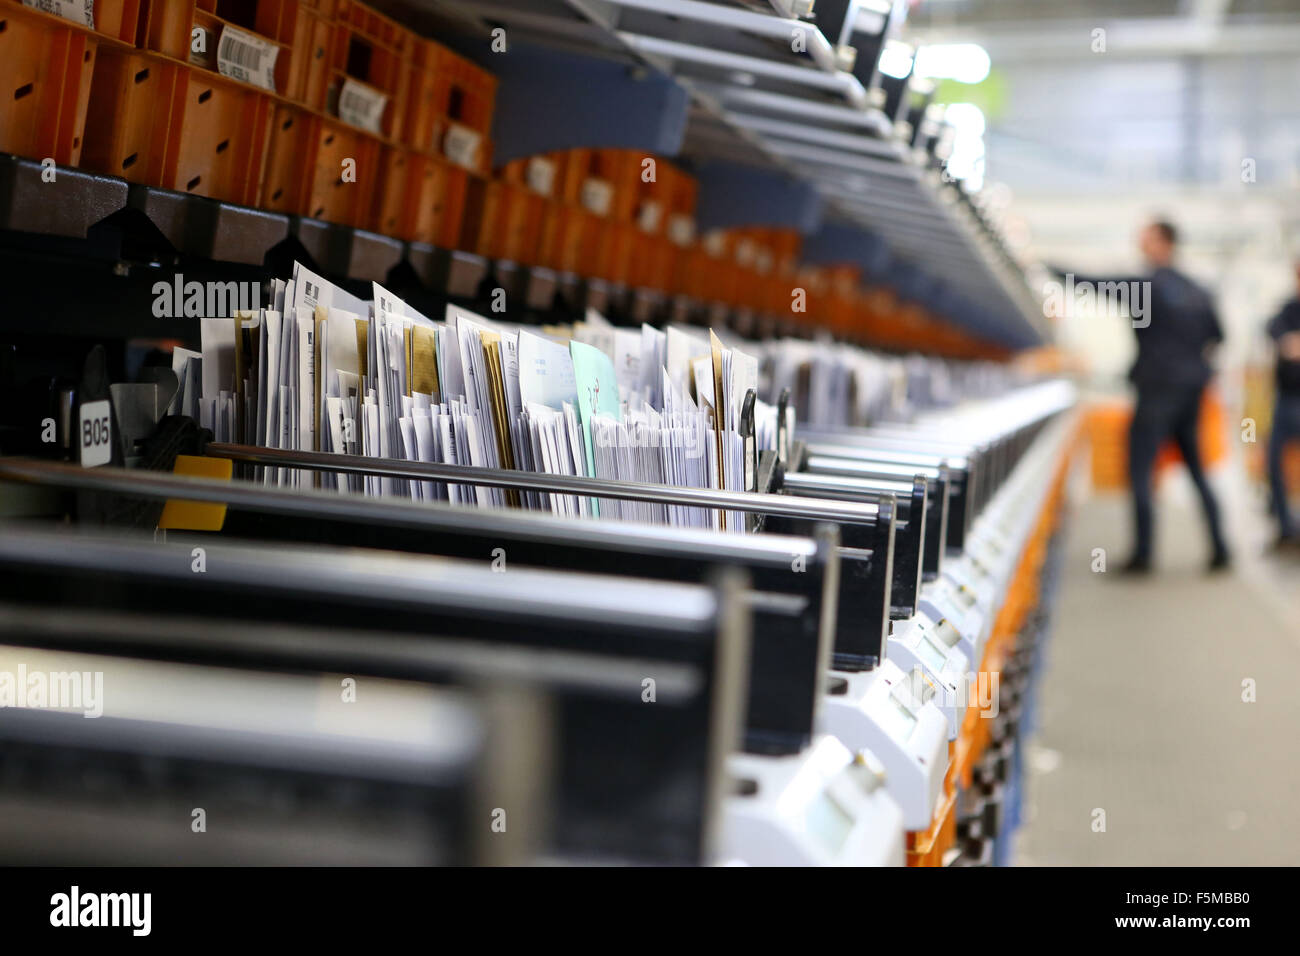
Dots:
{"x": 882, "y": 741}
{"x": 170, "y": 772}
{"x": 1002, "y": 458}
{"x": 912, "y": 752}
{"x": 902, "y": 725}
{"x": 803, "y": 796}
{"x": 586, "y": 771}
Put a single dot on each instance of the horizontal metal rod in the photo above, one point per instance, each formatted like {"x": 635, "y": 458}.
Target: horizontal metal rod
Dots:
{"x": 744, "y": 501}
{"x": 436, "y": 517}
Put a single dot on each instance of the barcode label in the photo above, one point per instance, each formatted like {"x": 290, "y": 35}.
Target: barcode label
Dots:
{"x": 597, "y": 196}
{"x": 746, "y": 252}
{"x": 247, "y": 58}
{"x": 460, "y": 145}
{"x": 78, "y": 11}
{"x": 652, "y": 213}
{"x": 361, "y": 105}
{"x": 681, "y": 229}
{"x": 540, "y": 175}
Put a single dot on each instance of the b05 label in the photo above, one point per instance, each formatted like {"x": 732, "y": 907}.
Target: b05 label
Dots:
{"x": 96, "y": 433}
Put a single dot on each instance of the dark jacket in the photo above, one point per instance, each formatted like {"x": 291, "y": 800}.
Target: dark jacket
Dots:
{"x": 1288, "y": 372}
{"x": 1180, "y": 322}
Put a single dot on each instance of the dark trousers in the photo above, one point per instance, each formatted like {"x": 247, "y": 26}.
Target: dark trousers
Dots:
{"x": 1162, "y": 413}
{"x": 1286, "y": 427}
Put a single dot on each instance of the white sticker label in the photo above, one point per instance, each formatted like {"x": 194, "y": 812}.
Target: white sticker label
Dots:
{"x": 746, "y": 252}
{"x": 652, "y": 213}
{"x": 78, "y": 11}
{"x": 361, "y": 105}
{"x": 460, "y": 145}
{"x": 597, "y": 196}
{"x": 96, "y": 433}
{"x": 681, "y": 229}
{"x": 246, "y": 57}
{"x": 540, "y": 175}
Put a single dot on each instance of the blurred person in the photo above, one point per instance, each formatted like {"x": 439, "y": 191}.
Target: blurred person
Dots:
{"x": 1170, "y": 374}
{"x": 1284, "y": 330}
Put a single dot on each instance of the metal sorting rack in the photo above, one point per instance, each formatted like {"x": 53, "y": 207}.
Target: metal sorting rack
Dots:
{"x": 580, "y": 645}
{"x": 784, "y": 85}
{"x": 535, "y": 676}
{"x": 121, "y": 220}
{"x": 746, "y": 636}
{"x": 770, "y": 86}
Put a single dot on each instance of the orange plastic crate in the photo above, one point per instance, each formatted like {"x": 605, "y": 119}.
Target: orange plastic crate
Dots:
{"x": 652, "y": 262}
{"x": 192, "y": 31}
{"x": 515, "y": 171}
{"x": 329, "y": 196}
{"x": 306, "y": 28}
{"x": 563, "y": 227}
{"x": 289, "y": 154}
{"x": 113, "y": 19}
{"x": 615, "y": 242}
{"x": 160, "y": 122}
{"x": 419, "y": 197}
{"x": 693, "y": 266}
{"x": 425, "y": 120}
{"x": 46, "y": 65}
{"x": 620, "y": 169}
{"x": 465, "y": 96}
{"x": 504, "y": 221}
{"x": 305, "y": 168}
{"x": 1107, "y": 426}
{"x": 451, "y": 201}
{"x": 657, "y": 202}
{"x": 374, "y": 50}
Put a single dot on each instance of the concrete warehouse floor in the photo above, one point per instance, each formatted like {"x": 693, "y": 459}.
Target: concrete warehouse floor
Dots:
{"x": 1140, "y": 709}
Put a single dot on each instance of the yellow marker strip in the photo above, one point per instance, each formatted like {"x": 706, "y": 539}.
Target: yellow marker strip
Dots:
{"x": 197, "y": 515}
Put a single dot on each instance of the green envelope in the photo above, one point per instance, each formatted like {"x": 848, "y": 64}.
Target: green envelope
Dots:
{"x": 597, "y": 386}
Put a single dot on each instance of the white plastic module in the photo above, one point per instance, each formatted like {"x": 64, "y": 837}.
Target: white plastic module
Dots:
{"x": 821, "y": 807}
{"x": 942, "y": 600}
{"x": 988, "y": 551}
{"x": 968, "y": 574}
{"x": 896, "y": 718}
{"x": 934, "y": 648}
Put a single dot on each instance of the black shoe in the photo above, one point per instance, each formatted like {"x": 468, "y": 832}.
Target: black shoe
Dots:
{"x": 1285, "y": 542}
{"x": 1221, "y": 561}
{"x": 1136, "y": 565}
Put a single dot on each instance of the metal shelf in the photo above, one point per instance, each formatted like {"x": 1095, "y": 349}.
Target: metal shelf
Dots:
{"x": 756, "y": 101}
